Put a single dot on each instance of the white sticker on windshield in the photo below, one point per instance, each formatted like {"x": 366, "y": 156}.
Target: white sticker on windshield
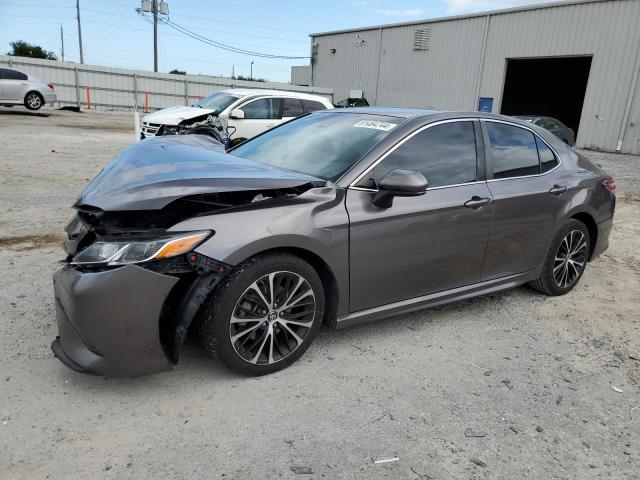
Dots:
{"x": 384, "y": 126}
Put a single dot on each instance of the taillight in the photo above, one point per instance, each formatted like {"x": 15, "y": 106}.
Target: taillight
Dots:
{"x": 609, "y": 184}
{"x": 50, "y": 85}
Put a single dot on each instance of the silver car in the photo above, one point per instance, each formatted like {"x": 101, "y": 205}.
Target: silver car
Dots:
{"x": 18, "y": 88}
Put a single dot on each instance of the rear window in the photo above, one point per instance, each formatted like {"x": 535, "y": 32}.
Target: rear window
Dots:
{"x": 513, "y": 151}
{"x": 516, "y": 152}
{"x": 312, "y": 106}
{"x": 292, "y": 107}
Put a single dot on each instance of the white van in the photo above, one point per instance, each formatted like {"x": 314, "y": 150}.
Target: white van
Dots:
{"x": 249, "y": 111}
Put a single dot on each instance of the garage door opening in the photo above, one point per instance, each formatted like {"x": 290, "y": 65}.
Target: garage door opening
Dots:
{"x": 552, "y": 87}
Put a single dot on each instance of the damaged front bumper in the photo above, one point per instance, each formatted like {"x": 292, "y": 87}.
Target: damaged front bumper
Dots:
{"x": 108, "y": 321}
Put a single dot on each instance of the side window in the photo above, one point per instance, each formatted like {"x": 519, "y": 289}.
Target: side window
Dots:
{"x": 553, "y": 124}
{"x": 312, "y": 106}
{"x": 8, "y": 74}
{"x": 445, "y": 154}
{"x": 262, "y": 109}
{"x": 547, "y": 158}
{"x": 513, "y": 151}
{"x": 292, "y": 107}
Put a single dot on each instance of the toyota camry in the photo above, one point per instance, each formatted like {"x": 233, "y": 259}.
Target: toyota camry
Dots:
{"x": 339, "y": 217}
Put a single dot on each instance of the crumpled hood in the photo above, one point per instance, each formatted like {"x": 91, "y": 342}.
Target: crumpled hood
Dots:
{"x": 151, "y": 174}
{"x": 175, "y": 115}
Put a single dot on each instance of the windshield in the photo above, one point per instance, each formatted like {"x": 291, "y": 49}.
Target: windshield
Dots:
{"x": 322, "y": 145}
{"x": 217, "y": 101}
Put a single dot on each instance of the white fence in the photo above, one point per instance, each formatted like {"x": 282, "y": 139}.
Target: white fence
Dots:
{"x": 107, "y": 88}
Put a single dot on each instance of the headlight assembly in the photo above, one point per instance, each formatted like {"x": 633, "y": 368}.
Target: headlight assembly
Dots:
{"x": 137, "y": 250}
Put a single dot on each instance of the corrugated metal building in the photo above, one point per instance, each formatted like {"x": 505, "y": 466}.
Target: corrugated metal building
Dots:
{"x": 576, "y": 60}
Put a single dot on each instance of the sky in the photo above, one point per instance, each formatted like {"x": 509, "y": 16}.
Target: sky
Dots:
{"x": 114, "y": 34}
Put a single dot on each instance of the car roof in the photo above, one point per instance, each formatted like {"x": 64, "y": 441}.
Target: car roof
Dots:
{"x": 411, "y": 113}
{"x": 401, "y": 112}
{"x": 245, "y": 92}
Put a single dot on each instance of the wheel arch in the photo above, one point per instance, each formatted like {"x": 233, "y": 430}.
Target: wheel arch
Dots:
{"x": 38, "y": 92}
{"x": 588, "y": 220}
{"x": 326, "y": 274}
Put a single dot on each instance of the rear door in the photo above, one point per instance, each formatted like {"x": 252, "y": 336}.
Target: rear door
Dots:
{"x": 260, "y": 115}
{"x": 424, "y": 244}
{"x": 529, "y": 196}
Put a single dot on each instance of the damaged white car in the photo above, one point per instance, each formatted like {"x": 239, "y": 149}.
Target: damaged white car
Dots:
{"x": 243, "y": 113}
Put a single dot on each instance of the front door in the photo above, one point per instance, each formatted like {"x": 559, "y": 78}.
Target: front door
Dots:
{"x": 424, "y": 244}
{"x": 259, "y": 115}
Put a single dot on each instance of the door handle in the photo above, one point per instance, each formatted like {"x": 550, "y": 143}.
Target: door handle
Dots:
{"x": 558, "y": 190}
{"x": 476, "y": 202}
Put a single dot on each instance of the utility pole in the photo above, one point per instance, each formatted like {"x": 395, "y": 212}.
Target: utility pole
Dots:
{"x": 251, "y": 75}
{"x": 79, "y": 31}
{"x": 62, "y": 41}
{"x": 154, "y": 7}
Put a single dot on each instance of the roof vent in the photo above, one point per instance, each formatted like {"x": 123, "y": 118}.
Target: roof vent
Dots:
{"x": 421, "y": 39}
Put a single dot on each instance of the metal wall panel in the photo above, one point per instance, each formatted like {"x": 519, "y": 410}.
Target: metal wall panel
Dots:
{"x": 119, "y": 88}
{"x": 609, "y": 31}
{"x": 353, "y": 65}
{"x": 301, "y": 75}
{"x": 453, "y": 73}
{"x": 442, "y": 77}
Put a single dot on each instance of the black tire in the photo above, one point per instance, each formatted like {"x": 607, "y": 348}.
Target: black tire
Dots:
{"x": 33, "y": 101}
{"x": 215, "y": 326}
{"x": 548, "y": 282}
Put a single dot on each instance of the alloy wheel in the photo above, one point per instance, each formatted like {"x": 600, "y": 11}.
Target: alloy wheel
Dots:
{"x": 570, "y": 259}
{"x": 33, "y": 100}
{"x": 272, "y": 317}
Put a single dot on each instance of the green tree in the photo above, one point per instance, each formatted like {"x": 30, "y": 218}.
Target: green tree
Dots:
{"x": 178, "y": 72}
{"x": 21, "y": 48}
{"x": 242, "y": 77}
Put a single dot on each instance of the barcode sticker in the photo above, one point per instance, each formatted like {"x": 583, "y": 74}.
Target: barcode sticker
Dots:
{"x": 376, "y": 125}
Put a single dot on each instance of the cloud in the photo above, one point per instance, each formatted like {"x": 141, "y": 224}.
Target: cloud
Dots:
{"x": 455, "y": 7}
{"x": 409, "y": 12}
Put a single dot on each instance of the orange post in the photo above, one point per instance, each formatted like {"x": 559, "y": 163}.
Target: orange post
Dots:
{"x": 88, "y": 97}
{"x": 146, "y": 102}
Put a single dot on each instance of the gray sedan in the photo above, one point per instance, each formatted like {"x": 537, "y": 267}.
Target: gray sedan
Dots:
{"x": 339, "y": 217}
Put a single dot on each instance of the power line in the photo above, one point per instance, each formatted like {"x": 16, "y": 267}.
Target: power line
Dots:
{"x": 224, "y": 46}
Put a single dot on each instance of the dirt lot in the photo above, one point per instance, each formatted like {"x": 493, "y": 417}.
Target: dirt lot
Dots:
{"x": 513, "y": 385}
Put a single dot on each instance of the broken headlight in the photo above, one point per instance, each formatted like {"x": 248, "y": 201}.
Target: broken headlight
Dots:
{"x": 109, "y": 252}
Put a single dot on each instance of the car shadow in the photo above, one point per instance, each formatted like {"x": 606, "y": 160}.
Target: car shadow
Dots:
{"x": 22, "y": 112}
{"x": 196, "y": 365}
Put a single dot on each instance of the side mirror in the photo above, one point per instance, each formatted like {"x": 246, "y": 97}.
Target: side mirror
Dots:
{"x": 399, "y": 183}
{"x": 237, "y": 114}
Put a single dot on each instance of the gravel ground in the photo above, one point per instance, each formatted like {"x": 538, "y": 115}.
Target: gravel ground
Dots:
{"x": 511, "y": 385}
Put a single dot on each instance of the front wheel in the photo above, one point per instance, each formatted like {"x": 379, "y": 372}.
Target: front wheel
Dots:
{"x": 264, "y": 316}
{"x": 33, "y": 101}
{"x": 566, "y": 260}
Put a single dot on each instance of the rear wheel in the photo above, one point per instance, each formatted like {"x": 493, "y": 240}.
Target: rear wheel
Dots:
{"x": 33, "y": 101}
{"x": 265, "y": 315}
{"x": 566, "y": 260}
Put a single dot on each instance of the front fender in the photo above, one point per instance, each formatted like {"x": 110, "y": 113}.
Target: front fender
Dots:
{"x": 316, "y": 222}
